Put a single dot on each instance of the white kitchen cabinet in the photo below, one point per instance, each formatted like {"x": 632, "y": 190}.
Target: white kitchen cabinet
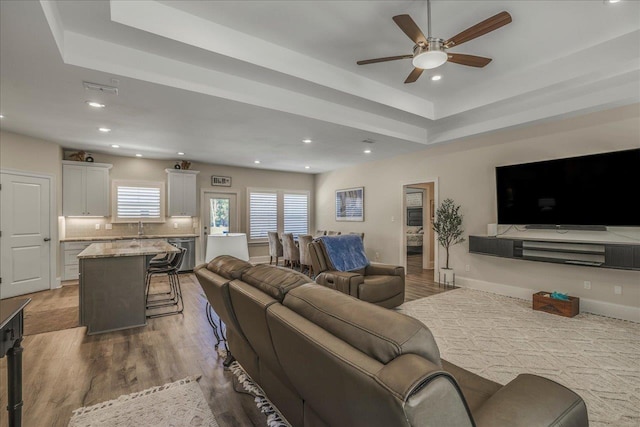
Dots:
{"x": 182, "y": 192}
{"x": 85, "y": 189}
{"x": 70, "y": 251}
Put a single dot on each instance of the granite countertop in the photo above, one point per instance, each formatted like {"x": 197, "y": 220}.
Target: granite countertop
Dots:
{"x": 134, "y": 237}
{"x": 120, "y": 249}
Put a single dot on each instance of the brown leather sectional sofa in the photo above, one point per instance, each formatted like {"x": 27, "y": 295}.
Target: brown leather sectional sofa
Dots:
{"x": 327, "y": 359}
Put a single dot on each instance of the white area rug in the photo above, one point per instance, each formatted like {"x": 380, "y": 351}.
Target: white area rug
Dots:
{"x": 177, "y": 404}
{"x": 499, "y": 337}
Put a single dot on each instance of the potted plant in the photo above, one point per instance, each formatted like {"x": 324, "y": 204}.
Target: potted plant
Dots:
{"x": 448, "y": 226}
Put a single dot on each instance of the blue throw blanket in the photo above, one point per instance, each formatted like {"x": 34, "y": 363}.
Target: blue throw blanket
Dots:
{"x": 346, "y": 251}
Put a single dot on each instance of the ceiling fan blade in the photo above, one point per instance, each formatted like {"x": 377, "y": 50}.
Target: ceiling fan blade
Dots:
{"x": 410, "y": 28}
{"x": 388, "y": 58}
{"x": 480, "y": 29}
{"x": 414, "y": 75}
{"x": 470, "y": 60}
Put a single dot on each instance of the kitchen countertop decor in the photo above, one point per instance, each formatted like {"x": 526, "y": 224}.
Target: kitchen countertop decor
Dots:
{"x": 127, "y": 248}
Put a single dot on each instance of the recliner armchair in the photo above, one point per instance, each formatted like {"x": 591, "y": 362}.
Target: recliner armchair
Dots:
{"x": 379, "y": 284}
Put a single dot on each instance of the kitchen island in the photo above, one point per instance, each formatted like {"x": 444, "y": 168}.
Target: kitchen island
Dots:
{"x": 112, "y": 283}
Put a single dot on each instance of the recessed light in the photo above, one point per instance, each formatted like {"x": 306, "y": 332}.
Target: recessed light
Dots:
{"x": 105, "y": 130}
{"x": 95, "y": 104}
{"x": 180, "y": 153}
{"x": 138, "y": 155}
{"x": 1, "y": 116}
{"x": 613, "y": 1}
{"x": 257, "y": 162}
{"x": 115, "y": 146}
{"x": 307, "y": 141}
{"x": 307, "y": 167}
{"x": 367, "y": 151}
{"x": 436, "y": 77}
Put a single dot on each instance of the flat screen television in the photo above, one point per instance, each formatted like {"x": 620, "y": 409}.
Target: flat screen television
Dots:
{"x": 595, "y": 190}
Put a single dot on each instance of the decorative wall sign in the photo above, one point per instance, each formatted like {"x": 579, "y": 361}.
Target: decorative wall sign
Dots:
{"x": 350, "y": 204}
{"x": 221, "y": 181}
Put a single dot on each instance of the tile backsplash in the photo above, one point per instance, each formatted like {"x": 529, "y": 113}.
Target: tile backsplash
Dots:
{"x": 86, "y": 227}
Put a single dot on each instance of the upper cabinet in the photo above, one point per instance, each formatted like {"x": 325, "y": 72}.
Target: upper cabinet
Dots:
{"x": 85, "y": 189}
{"x": 182, "y": 192}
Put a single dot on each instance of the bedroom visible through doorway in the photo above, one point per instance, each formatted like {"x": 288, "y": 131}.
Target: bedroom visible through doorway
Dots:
{"x": 418, "y": 234}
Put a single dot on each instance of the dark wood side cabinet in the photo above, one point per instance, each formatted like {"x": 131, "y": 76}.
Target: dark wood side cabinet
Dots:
{"x": 591, "y": 254}
{"x": 11, "y": 330}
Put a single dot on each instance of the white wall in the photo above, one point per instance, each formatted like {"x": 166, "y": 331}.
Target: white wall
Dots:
{"x": 241, "y": 178}
{"x": 27, "y": 154}
{"x": 464, "y": 171}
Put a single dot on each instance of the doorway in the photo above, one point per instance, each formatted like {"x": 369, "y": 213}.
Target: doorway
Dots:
{"x": 26, "y": 256}
{"x": 418, "y": 247}
{"x": 219, "y": 214}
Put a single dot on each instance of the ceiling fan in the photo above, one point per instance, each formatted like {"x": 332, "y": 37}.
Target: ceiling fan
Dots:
{"x": 431, "y": 52}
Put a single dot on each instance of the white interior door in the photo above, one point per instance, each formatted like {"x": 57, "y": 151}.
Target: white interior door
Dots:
{"x": 25, "y": 243}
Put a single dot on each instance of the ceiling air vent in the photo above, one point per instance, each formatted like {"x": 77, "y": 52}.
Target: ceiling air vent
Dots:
{"x": 100, "y": 88}
{"x": 368, "y": 141}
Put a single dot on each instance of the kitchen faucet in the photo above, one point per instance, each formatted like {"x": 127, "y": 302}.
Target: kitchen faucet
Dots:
{"x": 140, "y": 228}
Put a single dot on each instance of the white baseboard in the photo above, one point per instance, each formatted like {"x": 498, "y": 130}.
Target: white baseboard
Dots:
{"x": 601, "y": 308}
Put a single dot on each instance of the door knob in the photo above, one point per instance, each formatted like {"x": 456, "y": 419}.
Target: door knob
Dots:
{"x": 46, "y": 239}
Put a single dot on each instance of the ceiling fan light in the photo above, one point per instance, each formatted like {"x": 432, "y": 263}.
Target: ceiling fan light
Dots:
{"x": 430, "y": 59}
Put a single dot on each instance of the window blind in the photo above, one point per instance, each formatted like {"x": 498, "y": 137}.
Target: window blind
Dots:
{"x": 296, "y": 214}
{"x": 138, "y": 202}
{"x": 263, "y": 214}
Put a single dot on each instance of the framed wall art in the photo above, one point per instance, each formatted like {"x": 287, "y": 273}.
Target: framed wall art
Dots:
{"x": 350, "y": 204}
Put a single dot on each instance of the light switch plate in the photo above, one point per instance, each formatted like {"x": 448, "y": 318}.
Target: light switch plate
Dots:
{"x": 108, "y": 226}
{"x": 97, "y": 226}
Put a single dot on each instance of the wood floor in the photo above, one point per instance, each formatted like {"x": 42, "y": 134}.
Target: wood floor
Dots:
{"x": 66, "y": 369}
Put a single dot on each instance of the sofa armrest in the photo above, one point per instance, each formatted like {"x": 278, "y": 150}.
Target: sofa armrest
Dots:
{"x": 384, "y": 270}
{"x": 431, "y": 396}
{"x": 531, "y": 400}
{"x": 342, "y": 281}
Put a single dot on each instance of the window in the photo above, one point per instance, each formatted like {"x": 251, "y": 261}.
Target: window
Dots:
{"x": 263, "y": 214}
{"x": 296, "y": 213}
{"x": 138, "y": 201}
{"x": 277, "y": 210}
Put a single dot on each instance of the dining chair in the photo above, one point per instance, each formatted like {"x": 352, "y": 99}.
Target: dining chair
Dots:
{"x": 275, "y": 246}
{"x": 291, "y": 252}
{"x": 305, "y": 257}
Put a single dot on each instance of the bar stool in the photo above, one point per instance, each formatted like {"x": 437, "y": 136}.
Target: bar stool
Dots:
{"x": 169, "y": 268}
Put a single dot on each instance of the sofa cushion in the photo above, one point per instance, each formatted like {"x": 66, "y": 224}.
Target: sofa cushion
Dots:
{"x": 380, "y": 333}
{"x": 228, "y": 266}
{"x": 274, "y": 281}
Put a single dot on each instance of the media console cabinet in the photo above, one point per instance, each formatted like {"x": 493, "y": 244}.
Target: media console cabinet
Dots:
{"x": 622, "y": 256}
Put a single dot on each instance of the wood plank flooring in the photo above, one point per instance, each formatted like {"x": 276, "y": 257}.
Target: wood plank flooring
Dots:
{"x": 66, "y": 369}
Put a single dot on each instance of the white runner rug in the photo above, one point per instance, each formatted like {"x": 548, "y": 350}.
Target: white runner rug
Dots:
{"x": 177, "y": 404}
{"x": 499, "y": 337}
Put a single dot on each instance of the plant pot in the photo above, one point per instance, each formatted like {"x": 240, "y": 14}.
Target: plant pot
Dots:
{"x": 447, "y": 276}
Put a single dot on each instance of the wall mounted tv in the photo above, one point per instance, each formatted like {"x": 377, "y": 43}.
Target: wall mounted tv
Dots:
{"x": 595, "y": 190}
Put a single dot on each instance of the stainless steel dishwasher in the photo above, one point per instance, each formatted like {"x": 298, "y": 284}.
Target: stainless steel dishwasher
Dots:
{"x": 189, "y": 243}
